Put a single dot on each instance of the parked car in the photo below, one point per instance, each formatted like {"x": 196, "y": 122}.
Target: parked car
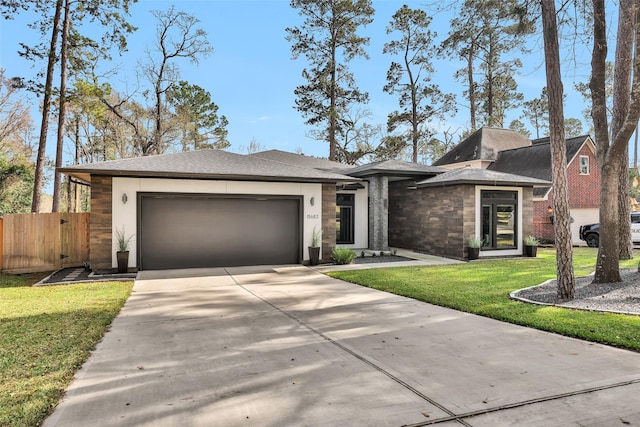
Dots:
{"x": 590, "y": 233}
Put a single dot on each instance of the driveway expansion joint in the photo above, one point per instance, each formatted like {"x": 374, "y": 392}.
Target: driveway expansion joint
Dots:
{"x": 471, "y": 414}
{"x": 358, "y": 356}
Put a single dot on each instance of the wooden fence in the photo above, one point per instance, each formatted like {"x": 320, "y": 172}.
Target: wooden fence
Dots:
{"x": 42, "y": 242}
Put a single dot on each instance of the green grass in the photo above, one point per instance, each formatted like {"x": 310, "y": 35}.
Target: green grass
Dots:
{"x": 483, "y": 288}
{"x": 46, "y": 333}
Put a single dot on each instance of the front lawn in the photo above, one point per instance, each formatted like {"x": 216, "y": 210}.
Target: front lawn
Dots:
{"x": 46, "y": 333}
{"x": 483, "y": 288}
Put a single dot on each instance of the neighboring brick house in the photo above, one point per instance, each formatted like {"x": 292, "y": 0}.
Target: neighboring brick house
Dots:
{"x": 583, "y": 180}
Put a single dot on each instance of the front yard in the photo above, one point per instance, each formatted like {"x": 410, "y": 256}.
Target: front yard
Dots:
{"x": 483, "y": 288}
{"x": 46, "y": 334}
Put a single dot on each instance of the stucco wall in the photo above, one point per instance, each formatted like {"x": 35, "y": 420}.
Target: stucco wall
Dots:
{"x": 125, "y": 214}
{"x": 361, "y": 218}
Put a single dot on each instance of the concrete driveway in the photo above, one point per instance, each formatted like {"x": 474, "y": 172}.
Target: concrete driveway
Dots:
{"x": 289, "y": 346}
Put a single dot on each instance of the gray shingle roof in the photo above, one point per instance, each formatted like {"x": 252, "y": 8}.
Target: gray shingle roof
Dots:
{"x": 301, "y": 160}
{"x": 484, "y": 144}
{"x": 535, "y": 160}
{"x": 477, "y": 176}
{"x": 394, "y": 167}
{"x": 205, "y": 164}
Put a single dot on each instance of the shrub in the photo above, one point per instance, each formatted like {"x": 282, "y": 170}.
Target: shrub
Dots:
{"x": 531, "y": 241}
{"x": 343, "y": 255}
{"x": 475, "y": 242}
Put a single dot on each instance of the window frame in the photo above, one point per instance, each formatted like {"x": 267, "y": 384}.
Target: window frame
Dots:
{"x": 350, "y": 205}
{"x": 518, "y": 248}
{"x": 582, "y": 166}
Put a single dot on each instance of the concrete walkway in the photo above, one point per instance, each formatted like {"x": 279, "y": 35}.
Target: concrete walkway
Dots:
{"x": 287, "y": 346}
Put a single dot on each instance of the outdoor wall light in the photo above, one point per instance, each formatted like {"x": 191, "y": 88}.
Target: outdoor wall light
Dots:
{"x": 312, "y": 201}
{"x": 124, "y": 198}
{"x": 550, "y": 212}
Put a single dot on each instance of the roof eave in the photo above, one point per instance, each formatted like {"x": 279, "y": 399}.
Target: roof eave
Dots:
{"x": 83, "y": 174}
{"x": 492, "y": 183}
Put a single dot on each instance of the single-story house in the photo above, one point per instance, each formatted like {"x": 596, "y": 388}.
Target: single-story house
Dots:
{"x": 212, "y": 208}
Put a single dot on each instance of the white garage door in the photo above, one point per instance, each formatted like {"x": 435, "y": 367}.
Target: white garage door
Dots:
{"x": 196, "y": 231}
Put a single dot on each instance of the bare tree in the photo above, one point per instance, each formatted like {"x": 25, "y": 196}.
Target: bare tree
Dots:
{"x": 177, "y": 37}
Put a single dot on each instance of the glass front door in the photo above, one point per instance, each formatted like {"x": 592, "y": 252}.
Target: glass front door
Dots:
{"x": 499, "y": 219}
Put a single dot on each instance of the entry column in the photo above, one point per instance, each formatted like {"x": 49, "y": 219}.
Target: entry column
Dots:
{"x": 379, "y": 213}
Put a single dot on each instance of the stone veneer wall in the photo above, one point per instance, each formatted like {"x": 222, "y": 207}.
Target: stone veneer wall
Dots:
{"x": 434, "y": 220}
{"x": 440, "y": 220}
{"x": 328, "y": 221}
{"x": 527, "y": 213}
{"x": 101, "y": 223}
{"x": 379, "y": 213}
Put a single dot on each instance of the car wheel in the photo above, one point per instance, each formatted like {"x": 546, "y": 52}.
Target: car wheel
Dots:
{"x": 593, "y": 240}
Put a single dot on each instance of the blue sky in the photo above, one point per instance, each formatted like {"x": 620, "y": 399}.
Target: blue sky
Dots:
{"x": 251, "y": 75}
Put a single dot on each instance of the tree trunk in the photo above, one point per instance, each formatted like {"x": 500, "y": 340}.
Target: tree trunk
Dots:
{"x": 564, "y": 251}
{"x": 61, "y": 110}
{"x": 414, "y": 105}
{"x": 621, "y": 93}
{"x": 613, "y": 154}
{"x": 46, "y": 108}
{"x": 472, "y": 89}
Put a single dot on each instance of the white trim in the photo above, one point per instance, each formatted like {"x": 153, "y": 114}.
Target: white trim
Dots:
{"x": 505, "y": 252}
{"x": 582, "y": 156}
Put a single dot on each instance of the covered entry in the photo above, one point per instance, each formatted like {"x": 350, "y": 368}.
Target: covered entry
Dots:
{"x": 197, "y": 231}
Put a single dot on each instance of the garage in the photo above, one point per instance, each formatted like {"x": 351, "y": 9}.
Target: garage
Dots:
{"x": 199, "y": 231}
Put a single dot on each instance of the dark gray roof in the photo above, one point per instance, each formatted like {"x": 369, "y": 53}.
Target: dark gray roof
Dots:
{"x": 484, "y": 144}
{"x": 478, "y": 176}
{"x": 535, "y": 160}
{"x": 204, "y": 164}
{"x": 394, "y": 167}
{"x": 301, "y": 160}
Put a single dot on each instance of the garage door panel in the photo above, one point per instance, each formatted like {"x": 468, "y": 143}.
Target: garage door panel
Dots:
{"x": 192, "y": 232}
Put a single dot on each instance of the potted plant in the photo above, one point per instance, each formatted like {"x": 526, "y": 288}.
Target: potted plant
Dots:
{"x": 473, "y": 247}
{"x": 122, "y": 253}
{"x": 531, "y": 246}
{"x": 314, "y": 249}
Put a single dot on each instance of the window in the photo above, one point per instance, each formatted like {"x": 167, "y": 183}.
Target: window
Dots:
{"x": 584, "y": 165}
{"x": 499, "y": 219}
{"x": 344, "y": 218}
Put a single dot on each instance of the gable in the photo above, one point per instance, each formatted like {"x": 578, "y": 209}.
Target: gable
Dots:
{"x": 535, "y": 160}
{"x": 484, "y": 144}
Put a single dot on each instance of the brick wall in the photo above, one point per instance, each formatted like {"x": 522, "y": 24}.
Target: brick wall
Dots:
{"x": 101, "y": 224}
{"x": 583, "y": 190}
{"x": 328, "y": 221}
{"x": 542, "y": 226}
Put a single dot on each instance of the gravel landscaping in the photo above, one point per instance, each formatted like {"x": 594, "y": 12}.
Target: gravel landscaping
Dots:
{"x": 622, "y": 297}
